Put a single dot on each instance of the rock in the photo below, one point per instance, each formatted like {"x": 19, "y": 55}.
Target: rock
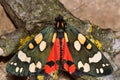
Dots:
{"x": 116, "y": 45}
{"x": 2, "y": 71}
{"x": 117, "y": 60}
{"x": 6, "y": 25}
{"x": 110, "y": 77}
{"x": 104, "y": 13}
{"x": 117, "y": 75}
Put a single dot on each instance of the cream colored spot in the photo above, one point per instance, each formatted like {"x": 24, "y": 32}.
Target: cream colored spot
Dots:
{"x": 77, "y": 45}
{"x": 97, "y": 71}
{"x": 31, "y": 46}
{"x": 96, "y": 58}
{"x": 1, "y": 51}
{"x": 107, "y": 64}
{"x": 42, "y": 45}
{"x": 101, "y": 70}
{"x": 66, "y": 37}
{"x": 21, "y": 69}
{"x": 58, "y": 24}
{"x": 39, "y": 65}
{"x": 38, "y": 38}
{"x": 15, "y": 64}
{"x": 11, "y": 63}
{"x": 17, "y": 69}
{"x": 89, "y": 46}
{"x": 63, "y": 25}
{"x": 103, "y": 65}
{"x": 80, "y": 64}
{"x": 86, "y": 66}
{"x": 22, "y": 57}
{"x": 32, "y": 67}
{"x": 81, "y": 38}
{"x": 54, "y": 37}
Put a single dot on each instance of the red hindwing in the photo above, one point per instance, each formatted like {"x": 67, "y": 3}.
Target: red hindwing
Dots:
{"x": 51, "y": 64}
{"x": 68, "y": 65}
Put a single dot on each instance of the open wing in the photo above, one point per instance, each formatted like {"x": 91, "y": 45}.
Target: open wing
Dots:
{"x": 37, "y": 54}
{"x": 84, "y": 57}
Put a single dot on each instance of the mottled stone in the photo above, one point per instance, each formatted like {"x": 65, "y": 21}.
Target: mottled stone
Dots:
{"x": 117, "y": 60}
{"x": 109, "y": 77}
{"x": 116, "y": 45}
{"x": 104, "y": 13}
{"x": 6, "y": 25}
{"x": 2, "y": 71}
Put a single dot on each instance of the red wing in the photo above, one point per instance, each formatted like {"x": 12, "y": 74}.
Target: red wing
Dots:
{"x": 51, "y": 64}
{"x": 68, "y": 65}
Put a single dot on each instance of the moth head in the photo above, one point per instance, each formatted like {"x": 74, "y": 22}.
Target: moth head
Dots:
{"x": 60, "y": 22}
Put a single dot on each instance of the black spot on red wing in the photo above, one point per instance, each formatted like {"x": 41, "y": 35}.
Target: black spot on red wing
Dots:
{"x": 69, "y": 63}
{"x": 50, "y": 63}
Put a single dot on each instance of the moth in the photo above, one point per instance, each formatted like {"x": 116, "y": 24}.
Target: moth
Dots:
{"x": 59, "y": 47}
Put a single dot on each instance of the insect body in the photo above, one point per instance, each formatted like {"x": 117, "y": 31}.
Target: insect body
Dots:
{"x": 61, "y": 47}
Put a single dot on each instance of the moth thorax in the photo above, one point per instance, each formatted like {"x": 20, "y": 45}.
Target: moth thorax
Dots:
{"x": 60, "y": 22}
{"x": 60, "y": 25}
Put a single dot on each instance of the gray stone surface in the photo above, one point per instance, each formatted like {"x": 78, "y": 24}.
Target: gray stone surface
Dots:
{"x": 6, "y": 25}
{"x": 105, "y": 13}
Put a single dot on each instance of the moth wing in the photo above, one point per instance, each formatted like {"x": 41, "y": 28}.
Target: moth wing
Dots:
{"x": 34, "y": 55}
{"x": 84, "y": 56}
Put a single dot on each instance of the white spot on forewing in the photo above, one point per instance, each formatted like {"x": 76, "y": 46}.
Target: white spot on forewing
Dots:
{"x": 11, "y": 63}
{"x": 97, "y": 71}
{"x": 86, "y": 66}
{"x": 96, "y": 58}
{"x": 101, "y": 70}
{"x": 103, "y": 65}
{"x": 1, "y": 51}
{"x": 32, "y": 67}
{"x": 17, "y": 69}
{"x": 107, "y": 64}
{"x": 77, "y": 45}
{"x": 15, "y": 64}
{"x": 38, "y": 65}
{"x": 22, "y": 56}
{"x": 21, "y": 69}
{"x": 80, "y": 64}
{"x": 42, "y": 45}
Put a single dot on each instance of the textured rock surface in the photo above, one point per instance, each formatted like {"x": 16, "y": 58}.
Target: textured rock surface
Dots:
{"x": 31, "y": 12}
{"x": 6, "y": 25}
{"x": 104, "y": 13}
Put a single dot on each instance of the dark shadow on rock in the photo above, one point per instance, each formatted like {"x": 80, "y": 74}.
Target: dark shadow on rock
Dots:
{"x": 11, "y": 77}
